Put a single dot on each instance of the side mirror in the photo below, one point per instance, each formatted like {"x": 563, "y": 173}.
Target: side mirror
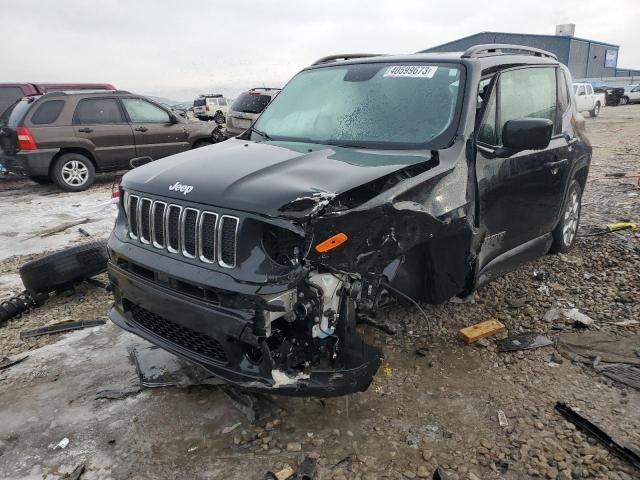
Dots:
{"x": 525, "y": 134}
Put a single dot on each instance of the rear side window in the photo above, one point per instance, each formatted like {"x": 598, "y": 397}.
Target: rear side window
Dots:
{"x": 95, "y": 111}
{"x": 8, "y": 96}
{"x": 48, "y": 112}
{"x": 141, "y": 111}
{"x": 250, "y": 103}
{"x": 527, "y": 93}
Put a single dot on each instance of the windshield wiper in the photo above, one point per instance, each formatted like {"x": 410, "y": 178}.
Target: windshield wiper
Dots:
{"x": 264, "y": 135}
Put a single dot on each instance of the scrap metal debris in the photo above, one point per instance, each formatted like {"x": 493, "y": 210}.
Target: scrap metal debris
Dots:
{"x": 14, "y": 307}
{"x": 610, "y": 348}
{"x": 61, "y": 327}
{"x": 625, "y": 451}
{"x": 6, "y": 362}
{"x": 502, "y": 419}
{"x": 523, "y": 341}
{"x": 62, "y": 444}
{"x": 77, "y": 472}
{"x": 283, "y": 474}
{"x": 117, "y": 393}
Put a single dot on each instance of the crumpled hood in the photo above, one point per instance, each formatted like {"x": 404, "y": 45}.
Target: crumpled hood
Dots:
{"x": 263, "y": 177}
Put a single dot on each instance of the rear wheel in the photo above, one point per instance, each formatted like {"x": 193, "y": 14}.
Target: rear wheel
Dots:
{"x": 219, "y": 117}
{"x": 40, "y": 179}
{"x": 624, "y": 100}
{"x": 596, "y": 110}
{"x": 74, "y": 172}
{"x": 564, "y": 235}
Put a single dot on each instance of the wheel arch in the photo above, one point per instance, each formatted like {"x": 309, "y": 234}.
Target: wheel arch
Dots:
{"x": 79, "y": 150}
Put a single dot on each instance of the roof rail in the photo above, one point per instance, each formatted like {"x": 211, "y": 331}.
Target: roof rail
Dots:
{"x": 492, "y": 49}
{"x": 344, "y": 56}
{"x": 87, "y": 91}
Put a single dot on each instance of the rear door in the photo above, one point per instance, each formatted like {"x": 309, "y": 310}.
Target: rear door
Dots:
{"x": 101, "y": 123}
{"x": 520, "y": 197}
{"x": 581, "y": 98}
{"x": 157, "y": 133}
{"x": 634, "y": 94}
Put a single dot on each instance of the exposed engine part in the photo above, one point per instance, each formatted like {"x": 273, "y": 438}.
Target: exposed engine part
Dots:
{"x": 279, "y": 305}
{"x": 22, "y": 303}
{"x": 328, "y": 286}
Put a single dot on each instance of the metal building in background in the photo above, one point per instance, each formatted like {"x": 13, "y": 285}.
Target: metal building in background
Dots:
{"x": 585, "y": 58}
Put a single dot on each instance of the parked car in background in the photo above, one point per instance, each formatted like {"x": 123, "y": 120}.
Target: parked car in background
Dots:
{"x": 631, "y": 94}
{"x": 12, "y": 92}
{"x": 366, "y": 177}
{"x": 210, "y": 106}
{"x": 587, "y": 99}
{"x": 247, "y": 107}
{"x": 612, "y": 94}
{"x": 67, "y": 137}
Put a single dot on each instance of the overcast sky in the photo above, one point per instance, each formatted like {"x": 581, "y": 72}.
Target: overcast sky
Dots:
{"x": 179, "y": 48}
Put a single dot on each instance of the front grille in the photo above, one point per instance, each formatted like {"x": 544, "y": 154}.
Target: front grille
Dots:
{"x": 186, "y": 231}
{"x": 185, "y": 337}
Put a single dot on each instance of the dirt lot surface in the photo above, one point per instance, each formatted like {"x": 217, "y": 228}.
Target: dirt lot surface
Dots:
{"x": 435, "y": 402}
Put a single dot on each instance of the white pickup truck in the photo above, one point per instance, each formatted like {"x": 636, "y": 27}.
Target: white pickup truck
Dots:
{"x": 587, "y": 99}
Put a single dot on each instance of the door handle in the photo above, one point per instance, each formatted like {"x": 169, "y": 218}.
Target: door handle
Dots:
{"x": 141, "y": 129}
{"x": 557, "y": 163}
{"x": 85, "y": 130}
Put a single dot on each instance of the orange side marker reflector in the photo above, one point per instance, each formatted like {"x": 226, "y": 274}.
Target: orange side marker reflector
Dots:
{"x": 331, "y": 242}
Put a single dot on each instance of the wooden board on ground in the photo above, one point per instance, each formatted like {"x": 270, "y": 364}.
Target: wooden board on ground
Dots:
{"x": 482, "y": 330}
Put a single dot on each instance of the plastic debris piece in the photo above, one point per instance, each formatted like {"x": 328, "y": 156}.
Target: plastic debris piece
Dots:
{"x": 61, "y": 327}
{"x": 579, "y": 318}
{"x": 502, "y": 419}
{"x": 6, "y": 362}
{"x": 523, "y": 341}
{"x": 481, "y": 330}
{"x": 62, "y": 444}
{"x": 387, "y": 370}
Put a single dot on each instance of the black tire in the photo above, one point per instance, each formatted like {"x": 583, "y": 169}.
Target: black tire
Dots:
{"x": 596, "y": 110}
{"x": 218, "y": 135}
{"x": 202, "y": 143}
{"x": 40, "y": 179}
{"x": 565, "y": 233}
{"x": 73, "y": 172}
{"x": 624, "y": 101}
{"x": 61, "y": 268}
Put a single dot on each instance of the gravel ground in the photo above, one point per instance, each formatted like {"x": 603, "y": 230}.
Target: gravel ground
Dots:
{"x": 435, "y": 407}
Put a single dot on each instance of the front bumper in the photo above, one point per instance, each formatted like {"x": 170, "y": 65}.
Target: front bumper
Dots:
{"x": 30, "y": 162}
{"x": 222, "y": 341}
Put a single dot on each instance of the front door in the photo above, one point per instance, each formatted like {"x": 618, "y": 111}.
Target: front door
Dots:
{"x": 520, "y": 197}
{"x": 157, "y": 133}
{"x": 101, "y": 123}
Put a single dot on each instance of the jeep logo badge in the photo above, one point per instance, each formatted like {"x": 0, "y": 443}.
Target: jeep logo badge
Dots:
{"x": 178, "y": 187}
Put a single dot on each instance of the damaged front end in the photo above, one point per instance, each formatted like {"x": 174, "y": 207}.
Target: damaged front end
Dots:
{"x": 272, "y": 306}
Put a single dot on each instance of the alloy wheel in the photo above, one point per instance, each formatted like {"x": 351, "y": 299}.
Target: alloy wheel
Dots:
{"x": 75, "y": 173}
{"x": 571, "y": 217}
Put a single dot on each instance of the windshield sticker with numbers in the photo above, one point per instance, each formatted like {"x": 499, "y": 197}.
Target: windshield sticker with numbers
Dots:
{"x": 413, "y": 71}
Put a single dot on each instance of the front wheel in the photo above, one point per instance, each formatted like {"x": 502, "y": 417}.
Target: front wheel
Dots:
{"x": 73, "y": 172}
{"x": 624, "y": 100}
{"x": 596, "y": 110}
{"x": 564, "y": 235}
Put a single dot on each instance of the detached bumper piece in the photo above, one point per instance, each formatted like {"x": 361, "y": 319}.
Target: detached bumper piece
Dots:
{"x": 224, "y": 342}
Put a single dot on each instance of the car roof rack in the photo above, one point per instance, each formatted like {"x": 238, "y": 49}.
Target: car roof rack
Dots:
{"x": 344, "y": 56}
{"x": 211, "y": 95}
{"x": 265, "y": 88}
{"x": 491, "y": 49}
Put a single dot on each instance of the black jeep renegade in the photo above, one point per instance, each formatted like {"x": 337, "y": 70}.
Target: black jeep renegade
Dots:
{"x": 419, "y": 176}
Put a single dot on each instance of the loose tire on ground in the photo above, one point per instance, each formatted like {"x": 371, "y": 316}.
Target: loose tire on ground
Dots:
{"x": 73, "y": 172}
{"x": 61, "y": 268}
{"x": 565, "y": 233}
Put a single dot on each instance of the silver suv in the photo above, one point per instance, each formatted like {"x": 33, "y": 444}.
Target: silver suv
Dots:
{"x": 247, "y": 108}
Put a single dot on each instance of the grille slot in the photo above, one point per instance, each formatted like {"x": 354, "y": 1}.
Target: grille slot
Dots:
{"x": 173, "y": 228}
{"x": 189, "y": 230}
{"x": 228, "y": 232}
{"x": 203, "y": 235}
{"x": 144, "y": 219}
{"x": 157, "y": 225}
{"x": 132, "y": 215}
{"x": 207, "y": 237}
{"x": 185, "y": 337}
